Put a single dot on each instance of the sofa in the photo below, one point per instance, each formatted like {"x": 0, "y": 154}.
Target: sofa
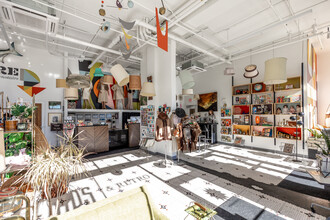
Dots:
{"x": 133, "y": 204}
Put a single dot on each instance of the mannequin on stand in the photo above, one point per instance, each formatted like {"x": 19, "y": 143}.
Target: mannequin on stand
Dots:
{"x": 86, "y": 95}
{"x": 129, "y": 100}
{"x": 118, "y": 95}
{"x": 163, "y": 130}
{"x": 103, "y": 94}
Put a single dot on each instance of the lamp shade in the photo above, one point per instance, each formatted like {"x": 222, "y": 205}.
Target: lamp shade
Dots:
{"x": 275, "y": 71}
{"x": 120, "y": 74}
{"x": 197, "y": 97}
{"x": 148, "y": 89}
{"x": 251, "y": 71}
{"x": 71, "y": 94}
{"x": 187, "y": 80}
{"x": 61, "y": 83}
{"x": 187, "y": 92}
{"x": 108, "y": 79}
{"x": 134, "y": 82}
{"x": 98, "y": 72}
{"x": 229, "y": 71}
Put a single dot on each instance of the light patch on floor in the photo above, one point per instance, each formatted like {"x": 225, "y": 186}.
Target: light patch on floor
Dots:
{"x": 194, "y": 154}
{"x": 208, "y": 191}
{"x": 164, "y": 173}
{"x": 228, "y": 161}
{"x": 132, "y": 157}
{"x": 276, "y": 168}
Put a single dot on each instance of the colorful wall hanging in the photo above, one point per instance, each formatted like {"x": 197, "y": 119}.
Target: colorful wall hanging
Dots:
{"x": 162, "y": 40}
{"x": 208, "y": 101}
{"x": 31, "y": 82}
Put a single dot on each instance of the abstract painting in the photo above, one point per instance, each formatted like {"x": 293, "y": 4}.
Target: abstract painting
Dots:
{"x": 31, "y": 82}
{"x": 208, "y": 101}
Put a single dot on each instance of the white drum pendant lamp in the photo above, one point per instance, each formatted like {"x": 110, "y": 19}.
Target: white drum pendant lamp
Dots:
{"x": 275, "y": 71}
{"x": 148, "y": 89}
{"x": 229, "y": 71}
{"x": 187, "y": 80}
{"x": 71, "y": 94}
{"x": 120, "y": 74}
{"x": 187, "y": 92}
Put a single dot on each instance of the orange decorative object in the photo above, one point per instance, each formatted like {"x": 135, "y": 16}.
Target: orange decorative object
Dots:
{"x": 257, "y": 119}
{"x": 161, "y": 39}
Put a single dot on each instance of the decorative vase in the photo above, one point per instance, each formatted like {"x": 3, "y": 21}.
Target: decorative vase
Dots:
{"x": 324, "y": 164}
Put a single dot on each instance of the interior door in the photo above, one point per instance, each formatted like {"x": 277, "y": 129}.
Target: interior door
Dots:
{"x": 38, "y": 115}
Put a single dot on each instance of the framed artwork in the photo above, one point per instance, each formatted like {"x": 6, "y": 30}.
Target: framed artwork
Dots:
{"x": 54, "y": 118}
{"x": 54, "y": 105}
{"x": 143, "y": 101}
{"x": 288, "y": 148}
{"x": 208, "y": 101}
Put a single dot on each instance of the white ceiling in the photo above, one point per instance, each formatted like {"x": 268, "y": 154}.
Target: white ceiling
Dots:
{"x": 227, "y": 29}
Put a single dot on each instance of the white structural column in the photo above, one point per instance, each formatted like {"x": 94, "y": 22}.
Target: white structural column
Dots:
{"x": 161, "y": 65}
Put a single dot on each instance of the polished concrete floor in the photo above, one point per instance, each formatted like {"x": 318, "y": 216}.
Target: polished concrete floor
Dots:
{"x": 238, "y": 183}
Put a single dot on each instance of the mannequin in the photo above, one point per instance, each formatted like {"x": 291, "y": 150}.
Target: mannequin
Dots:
{"x": 118, "y": 95}
{"x": 129, "y": 100}
{"x": 103, "y": 94}
{"x": 86, "y": 94}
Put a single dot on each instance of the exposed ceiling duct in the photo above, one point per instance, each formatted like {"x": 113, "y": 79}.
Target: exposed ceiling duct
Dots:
{"x": 24, "y": 17}
{"x": 193, "y": 66}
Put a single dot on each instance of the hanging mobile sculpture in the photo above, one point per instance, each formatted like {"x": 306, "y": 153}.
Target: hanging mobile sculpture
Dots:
{"x": 162, "y": 40}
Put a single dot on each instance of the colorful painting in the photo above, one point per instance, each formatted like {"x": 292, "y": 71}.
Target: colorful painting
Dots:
{"x": 311, "y": 85}
{"x": 208, "y": 101}
{"x": 31, "y": 82}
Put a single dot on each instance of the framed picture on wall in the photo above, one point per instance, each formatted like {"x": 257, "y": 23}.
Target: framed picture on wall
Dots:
{"x": 54, "y": 118}
{"x": 208, "y": 101}
{"x": 54, "y": 105}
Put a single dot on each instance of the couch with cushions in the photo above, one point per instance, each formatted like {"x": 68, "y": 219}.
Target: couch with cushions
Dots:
{"x": 133, "y": 204}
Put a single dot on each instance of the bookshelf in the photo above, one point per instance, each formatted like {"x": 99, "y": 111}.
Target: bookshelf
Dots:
{"x": 264, "y": 111}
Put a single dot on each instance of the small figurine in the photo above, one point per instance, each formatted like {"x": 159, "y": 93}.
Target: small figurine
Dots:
{"x": 285, "y": 110}
{"x": 298, "y": 108}
{"x": 292, "y": 110}
{"x": 278, "y": 111}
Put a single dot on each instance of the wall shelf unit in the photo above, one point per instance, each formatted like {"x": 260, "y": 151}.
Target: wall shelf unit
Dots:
{"x": 257, "y": 102}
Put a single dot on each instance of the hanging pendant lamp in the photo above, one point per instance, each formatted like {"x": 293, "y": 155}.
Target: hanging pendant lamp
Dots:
{"x": 107, "y": 79}
{"x": 251, "y": 71}
{"x": 134, "y": 82}
{"x": 61, "y": 83}
{"x": 148, "y": 89}
{"x": 275, "y": 71}
{"x": 71, "y": 94}
{"x": 187, "y": 92}
{"x": 229, "y": 71}
{"x": 187, "y": 80}
{"x": 98, "y": 72}
{"x": 120, "y": 74}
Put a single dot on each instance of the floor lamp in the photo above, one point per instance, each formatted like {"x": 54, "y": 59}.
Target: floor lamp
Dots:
{"x": 295, "y": 118}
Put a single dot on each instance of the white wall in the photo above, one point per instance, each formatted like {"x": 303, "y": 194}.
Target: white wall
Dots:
{"x": 323, "y": 83}
{"x": 213, "y": 80}
{"x": 46, "y": 67}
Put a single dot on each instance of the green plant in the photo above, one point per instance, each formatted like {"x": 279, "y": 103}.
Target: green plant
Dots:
{"x": 16, "y": 141}
{"x": 22, "y": 111}
{"x": 315, "y": 133}
{"x": 51, "y": 171}
{"x": 325, "y": 150}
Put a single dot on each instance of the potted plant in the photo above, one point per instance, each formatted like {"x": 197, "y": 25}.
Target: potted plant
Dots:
{"x": 324, "y": 157}
{"x": 51, "y": 171}
{"x": 316, "y": 137}
{"x": 22, "y": 112}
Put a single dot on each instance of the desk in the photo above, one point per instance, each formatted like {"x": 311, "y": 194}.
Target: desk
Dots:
{"x": 317, "y": 176}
